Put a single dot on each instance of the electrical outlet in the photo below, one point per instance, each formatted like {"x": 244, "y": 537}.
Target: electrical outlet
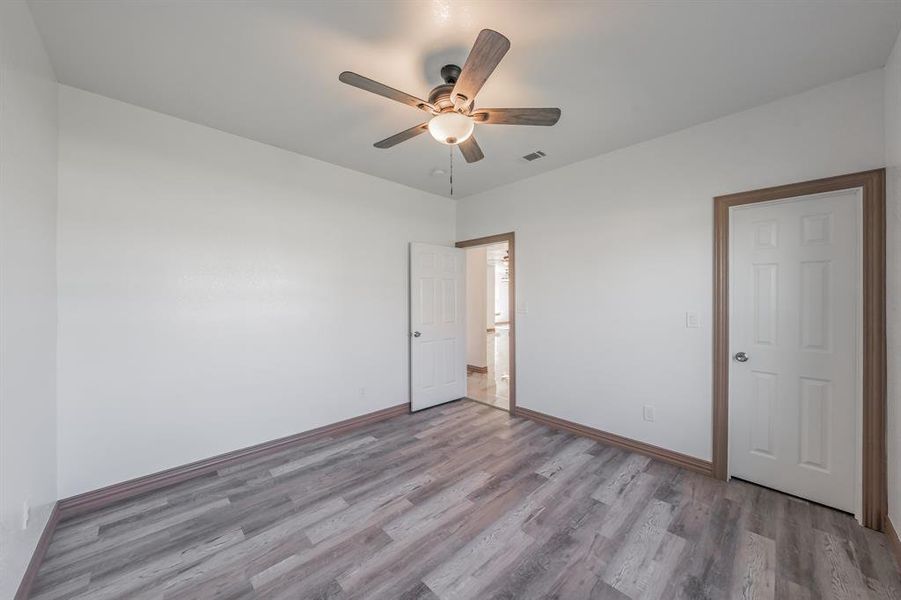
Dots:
{"x": 26, "y": 514}
{"x": 692, "y": 320}
{"x": 648, "y": 413}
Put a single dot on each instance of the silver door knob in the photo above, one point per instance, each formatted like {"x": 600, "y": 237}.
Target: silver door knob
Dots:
{"x": 741, "y": 357}
{"x": 416, "y": 334}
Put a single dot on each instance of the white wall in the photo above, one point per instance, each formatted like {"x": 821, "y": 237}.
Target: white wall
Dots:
{"x": 601, "y": 335}
{"x": 215, "y": 292}
{"x": 893, "y": 283}
{"x": 28, "y": 142}
{"x": 476, "y": 307}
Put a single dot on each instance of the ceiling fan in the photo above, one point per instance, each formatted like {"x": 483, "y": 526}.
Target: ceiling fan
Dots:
{"x": 451, "y": 103}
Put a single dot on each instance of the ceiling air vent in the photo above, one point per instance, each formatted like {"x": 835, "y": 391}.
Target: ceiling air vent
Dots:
{"x": 534, "y": 155}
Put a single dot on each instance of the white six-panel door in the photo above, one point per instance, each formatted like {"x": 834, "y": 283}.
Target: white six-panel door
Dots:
{"x": 437, "y": 325}
{"x": 795, "y": 301}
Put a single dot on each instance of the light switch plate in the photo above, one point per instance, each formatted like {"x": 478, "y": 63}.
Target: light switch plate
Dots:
{"x": 692, "y": 320}
{"x": 648, "y": 413}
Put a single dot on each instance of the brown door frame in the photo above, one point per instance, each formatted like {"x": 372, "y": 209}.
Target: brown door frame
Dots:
{"x": 511, "y": 300}
{"x": 874, "y": 337}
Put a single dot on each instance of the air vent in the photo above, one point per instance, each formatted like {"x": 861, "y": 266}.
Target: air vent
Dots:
{"x": 534, "y": 156}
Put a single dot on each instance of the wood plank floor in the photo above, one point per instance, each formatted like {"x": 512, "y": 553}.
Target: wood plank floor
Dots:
{"x": 463, "y": 501}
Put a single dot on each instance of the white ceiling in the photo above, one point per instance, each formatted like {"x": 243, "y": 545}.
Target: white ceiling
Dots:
{"x": 622, "y": 72}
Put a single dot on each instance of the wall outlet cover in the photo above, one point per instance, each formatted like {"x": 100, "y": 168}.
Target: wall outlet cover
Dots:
{"x": 648, "y": 413}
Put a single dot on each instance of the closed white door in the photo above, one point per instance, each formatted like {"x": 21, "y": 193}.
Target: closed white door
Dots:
{"x": 794, "y": 324}
{"x": 437, "y": 325}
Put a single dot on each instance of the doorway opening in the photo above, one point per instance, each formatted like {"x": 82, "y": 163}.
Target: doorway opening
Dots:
{"x": 490, "y": 321}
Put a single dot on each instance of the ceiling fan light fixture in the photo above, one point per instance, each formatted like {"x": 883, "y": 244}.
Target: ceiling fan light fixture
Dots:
{"x": 451, "y": 128}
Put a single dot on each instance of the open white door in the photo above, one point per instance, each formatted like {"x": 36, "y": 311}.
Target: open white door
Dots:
{"x": 437, "y": 325}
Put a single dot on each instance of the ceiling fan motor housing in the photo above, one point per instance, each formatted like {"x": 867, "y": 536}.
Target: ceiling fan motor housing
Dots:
{"x": 440, "y": 96}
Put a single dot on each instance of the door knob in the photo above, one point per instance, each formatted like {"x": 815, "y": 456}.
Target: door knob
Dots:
{"x": 741, "y": 357}
{"x": 416, "y": 334}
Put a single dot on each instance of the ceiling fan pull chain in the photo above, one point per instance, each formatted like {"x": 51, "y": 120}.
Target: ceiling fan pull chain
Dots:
{"x": 451, "y": 170}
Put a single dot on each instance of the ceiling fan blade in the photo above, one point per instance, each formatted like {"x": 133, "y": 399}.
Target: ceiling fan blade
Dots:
{"x": 403, "y": 136}
{"x": 470, "y": 149}
{"x": 370, "y": 85}
{"x": 488, "y": 50}
{"x": 517, "y": 116}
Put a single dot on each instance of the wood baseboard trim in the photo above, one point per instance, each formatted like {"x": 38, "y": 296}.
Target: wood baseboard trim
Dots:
{"x": 31, "y": 572}
{"x": 475, "y": 369}
{"x": 105, "y": 496}
{"x": 894, "y": 541}
{"x": 704, "y": 467}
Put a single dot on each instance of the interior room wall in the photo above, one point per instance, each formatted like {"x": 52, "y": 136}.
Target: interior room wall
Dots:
{"x": 893, "y": 283}
{"x": 28, "y": 146}
{"x": 476, "y": 282}
{"x": 603, "y": 335}
{"x": 215, "y": 292}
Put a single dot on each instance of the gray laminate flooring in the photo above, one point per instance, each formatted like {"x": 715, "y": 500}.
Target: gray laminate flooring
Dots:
{"x": 463, "y": 501}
